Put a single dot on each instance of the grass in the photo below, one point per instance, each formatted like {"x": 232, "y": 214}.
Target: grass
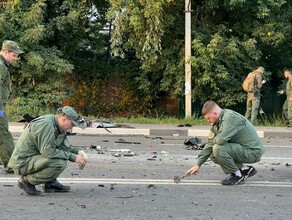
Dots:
{"x": 270, "y": 122}
{"x": 161, "y": 120}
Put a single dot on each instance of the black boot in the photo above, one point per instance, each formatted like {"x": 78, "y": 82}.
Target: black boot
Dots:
{"x": 55, "y": 186}
{"x": 27, "y": 186}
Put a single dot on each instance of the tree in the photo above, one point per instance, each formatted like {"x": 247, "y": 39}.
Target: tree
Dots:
{"x": 230, "y": 38}
{"x": 50, "y": 33}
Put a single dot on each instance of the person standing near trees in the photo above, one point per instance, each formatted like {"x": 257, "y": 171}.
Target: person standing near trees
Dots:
{"x": 287, "y": 107}
{"x": 9, "y": 53}
{"x": 252, "y": 85}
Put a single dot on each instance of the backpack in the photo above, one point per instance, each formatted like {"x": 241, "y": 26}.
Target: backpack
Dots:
{"x": 249, "y": 82}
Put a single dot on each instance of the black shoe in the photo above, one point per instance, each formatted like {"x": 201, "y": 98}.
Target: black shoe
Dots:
{"x": 251, "y": 171}
{"x": 233, "y": 180}
{"x": 55, "y": 186}
{"x": 27, "y": 186}
{"x": 8, "y": 170}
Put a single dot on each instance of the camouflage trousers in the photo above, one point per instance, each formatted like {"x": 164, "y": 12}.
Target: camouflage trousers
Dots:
{"x": 39, "y": 169}
{"x": 252, "y": 107}
{"x": 6, "y": 142}
{"x": 287, "y": 113}
{"x": 231, "y": 156}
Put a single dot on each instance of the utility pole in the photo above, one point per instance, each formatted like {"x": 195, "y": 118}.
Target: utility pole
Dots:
{"x": 188, "y": 70}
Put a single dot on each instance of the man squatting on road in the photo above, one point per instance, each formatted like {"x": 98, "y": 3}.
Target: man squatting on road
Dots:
{"x": 232, "y": 142}
{"x": 42, "y": 151}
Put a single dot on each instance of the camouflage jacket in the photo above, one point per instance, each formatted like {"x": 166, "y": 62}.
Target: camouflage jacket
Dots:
{"x": 4, "y": 82}
{"x": 231, "y": 127}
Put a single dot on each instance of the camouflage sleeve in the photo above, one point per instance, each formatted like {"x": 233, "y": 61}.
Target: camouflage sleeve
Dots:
{"x": 45, "y": 141}
{"x": 204, "y": 154}
{"x": 229, "y": 127}
{"x": 258, "y": 81}
{"x": 289, "y": 89}
{"x": 2, "y": 87}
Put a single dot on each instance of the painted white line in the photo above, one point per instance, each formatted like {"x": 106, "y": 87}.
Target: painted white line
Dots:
{"x": 155, "y": 182}
{"x": 277, "y": 158}
{"x": 278, "y": 146}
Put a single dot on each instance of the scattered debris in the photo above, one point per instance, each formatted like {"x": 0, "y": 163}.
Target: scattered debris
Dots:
{"x": 105, "y": 123}
{"x": 153, "y": 137}
{"x": 151, "y": 186}
{"x": 95, "y": 147}
{"x": 122, "y": 141}
{"x": 178, "y": 178}
{"x": 112, "y": 187}
{"x": 122, "y": 152}
{"x": 153, "y": 158}
{"x": 186, "y": 125}
{"x": 125, "y": 197}
{"x": 27, "y": 118}
{"x": 194, "y": 144}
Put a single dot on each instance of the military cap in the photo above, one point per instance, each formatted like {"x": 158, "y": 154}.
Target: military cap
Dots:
{"x": 71, "y": 114}
{"x": 11, "y": 46}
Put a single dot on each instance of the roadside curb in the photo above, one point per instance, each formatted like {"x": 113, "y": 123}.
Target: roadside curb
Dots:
{"x": 165, "y": 130}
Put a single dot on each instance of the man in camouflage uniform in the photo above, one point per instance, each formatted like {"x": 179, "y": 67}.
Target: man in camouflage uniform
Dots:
{"x": 42, "y": 151}
{"x": 287, "y": 107}
{"x": 254, "y": 97}
{"x": 9, "y": 53}
{"x": 233, "y": 141}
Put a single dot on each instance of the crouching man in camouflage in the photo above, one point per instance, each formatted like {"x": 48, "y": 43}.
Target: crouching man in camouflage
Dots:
{"x": 42, "y": 151}
{"x": 233, "y": 142}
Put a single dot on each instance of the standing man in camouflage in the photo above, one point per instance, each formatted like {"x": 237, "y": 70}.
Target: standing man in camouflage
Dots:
{"x": 9, "y": 53}
{"x": 287, "y": 107}
{"x": 232, "y": 142}
{"x": 254, "y": 97}
{"x": 42, "y": 151}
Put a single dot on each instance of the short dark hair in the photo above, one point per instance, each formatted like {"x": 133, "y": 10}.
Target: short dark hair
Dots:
{"x": 208, "y": 107}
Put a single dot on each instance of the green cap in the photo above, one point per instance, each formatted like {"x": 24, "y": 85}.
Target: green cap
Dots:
{"x": 12, "y": 46}
{"x": 71, "y": 114}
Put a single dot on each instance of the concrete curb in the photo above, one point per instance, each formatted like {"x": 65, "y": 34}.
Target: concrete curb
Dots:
{"x": 165, "y": 130}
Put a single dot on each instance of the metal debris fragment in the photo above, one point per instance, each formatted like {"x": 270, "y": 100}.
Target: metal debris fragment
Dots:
{"x": 122, "y": 152}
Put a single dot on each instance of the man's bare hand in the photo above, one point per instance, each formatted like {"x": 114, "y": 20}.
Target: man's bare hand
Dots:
{"x": 194, "y": 170}
{"x": 81, "y": 161}
{"x": 83, "y": 154}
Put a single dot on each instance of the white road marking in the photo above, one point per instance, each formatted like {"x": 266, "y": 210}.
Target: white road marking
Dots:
{"x": 155, "y": 182}
{"x": 278, "y": 146}
{"x": 277, "y": 158}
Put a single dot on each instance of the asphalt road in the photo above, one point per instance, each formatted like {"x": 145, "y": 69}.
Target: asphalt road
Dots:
{"x": 131, "y": 177}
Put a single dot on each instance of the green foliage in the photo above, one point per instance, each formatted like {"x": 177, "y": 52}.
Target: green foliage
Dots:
{"x": 46, "y": 30}
{"x": 20, "y": 106}
{"x": 230, "y": 38}
{"x": 69, "y": 44}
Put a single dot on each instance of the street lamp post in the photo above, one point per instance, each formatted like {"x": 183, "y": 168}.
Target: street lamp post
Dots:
{"x": 188, "y": 71}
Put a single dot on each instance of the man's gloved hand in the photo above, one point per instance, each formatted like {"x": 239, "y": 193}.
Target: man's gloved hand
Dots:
{"x": 264, "y": 81}
{"x": 83, "y": 154}
{"x": 281, "y": 92}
